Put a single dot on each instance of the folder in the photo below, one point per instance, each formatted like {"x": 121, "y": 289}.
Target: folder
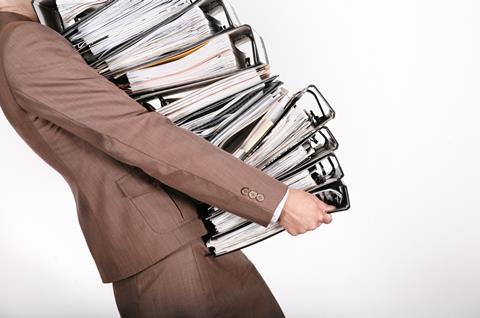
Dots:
{"x": 60, "y": 15}
{"x": 221, "y": 122}
{"x": 305, "y": 114}
{"x": 182, "y": 33}
{"x": 248, "y": 233}
{"x": 215, "y": 58}
{"x": 318, "y": 173}
{"x": 219, "y": 90}
{"x": 320, "y": 144}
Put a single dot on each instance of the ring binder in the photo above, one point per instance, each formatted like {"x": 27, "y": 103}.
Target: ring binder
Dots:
{"x": 210, "y": 8}
{"x": 97, "y": 37}
{"x": 320, "y": 144}
{"x": 227, "y": 111}
{"x": 321, "y": 178}
{"x": 49, "y": 14}
{"x": 336, "y": 194}
{"x": 302, "y": 119}
{"x": 327, "y": 112}
{"x": 70, "y": 29}
{"x": 236, "y": 38}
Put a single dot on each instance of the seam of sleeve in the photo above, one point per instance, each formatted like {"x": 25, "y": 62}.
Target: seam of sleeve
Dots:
{"x": 126, "y": 97}
{"x": 136, "y": 149}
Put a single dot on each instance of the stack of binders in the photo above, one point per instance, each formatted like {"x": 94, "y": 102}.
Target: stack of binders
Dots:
{"x": 196, "y": 64}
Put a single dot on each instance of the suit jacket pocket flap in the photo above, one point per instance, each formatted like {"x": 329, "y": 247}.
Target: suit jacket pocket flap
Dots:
{"x": 133, "y": 185}
{"x": 151, "y": 201}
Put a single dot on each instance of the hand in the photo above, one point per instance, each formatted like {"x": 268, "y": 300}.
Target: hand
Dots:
{"x": 304, "y": 212}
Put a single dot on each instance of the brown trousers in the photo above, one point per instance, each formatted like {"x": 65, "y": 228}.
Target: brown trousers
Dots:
{"x": 191, "y": 283}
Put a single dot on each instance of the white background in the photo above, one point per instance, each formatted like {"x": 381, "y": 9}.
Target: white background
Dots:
{"x": 403, "y": 77}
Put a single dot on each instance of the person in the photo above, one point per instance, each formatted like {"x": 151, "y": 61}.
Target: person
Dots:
{"x": 136, "y": 178}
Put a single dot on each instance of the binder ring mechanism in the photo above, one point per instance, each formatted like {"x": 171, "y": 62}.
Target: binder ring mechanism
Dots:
{"x": 327, "y": 112}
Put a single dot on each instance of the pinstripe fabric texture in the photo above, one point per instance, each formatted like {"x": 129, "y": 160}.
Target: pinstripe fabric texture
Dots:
{"x": 135, "y": 178}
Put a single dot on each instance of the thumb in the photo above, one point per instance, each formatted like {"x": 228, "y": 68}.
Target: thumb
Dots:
{"x": 329, "y": 208}
{"x": 324, "y": 206}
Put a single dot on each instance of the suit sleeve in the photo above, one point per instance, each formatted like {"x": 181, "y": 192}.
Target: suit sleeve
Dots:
{"x": 49, "y": 78}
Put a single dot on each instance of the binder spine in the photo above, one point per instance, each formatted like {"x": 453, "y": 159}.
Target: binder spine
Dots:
{"x": 48, "y": 14}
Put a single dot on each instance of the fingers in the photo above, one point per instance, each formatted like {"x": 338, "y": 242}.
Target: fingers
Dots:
{"x": 329, "y": 208}
{"x": 292, "y": 233}
{"x": 327, "y": 218}
{"x": 324, "y": 206}
{"x": 324, "y": 209}
{"x": 307, "y": 215}
{"x": 324, "y": 218}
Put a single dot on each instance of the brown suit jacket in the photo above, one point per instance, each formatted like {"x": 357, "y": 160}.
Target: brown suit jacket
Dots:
{"x": 133, "y": 173}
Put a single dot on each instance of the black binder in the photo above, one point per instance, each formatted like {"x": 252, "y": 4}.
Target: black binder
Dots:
{"x": 334, "y": 193}
{"x": 49, "y": 15}
{"x": 247, "y": 60}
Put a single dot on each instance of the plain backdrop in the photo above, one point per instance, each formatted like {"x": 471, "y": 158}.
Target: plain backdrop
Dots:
{"x": 403, "y": 77}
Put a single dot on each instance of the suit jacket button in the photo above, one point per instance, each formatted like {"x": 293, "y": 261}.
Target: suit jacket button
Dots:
{"x": 260, "y": 197}
{"x": 252, "y": 194}
{"x": 245, "y": 191}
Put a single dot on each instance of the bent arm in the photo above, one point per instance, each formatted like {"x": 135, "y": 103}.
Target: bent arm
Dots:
{"x": 49, "y": 78}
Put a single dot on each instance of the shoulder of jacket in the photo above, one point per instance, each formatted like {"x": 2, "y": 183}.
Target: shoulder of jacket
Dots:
{"x": 18, "y": 31}
{"x": 20, "y": 36}
{"x": 21, "y": 42}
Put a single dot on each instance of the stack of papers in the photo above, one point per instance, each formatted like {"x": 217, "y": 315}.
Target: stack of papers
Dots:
{"x": 194, "y": 63}
{"x": 70, "y": 9}
{"x": 190, "y": 28}
{"x": 213, "y": 93}
{"x": 122, "y": 21}
{"x": 216, "y": 57}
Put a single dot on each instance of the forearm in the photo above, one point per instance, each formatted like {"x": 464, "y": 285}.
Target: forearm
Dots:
{"x": 62, "y": 88}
